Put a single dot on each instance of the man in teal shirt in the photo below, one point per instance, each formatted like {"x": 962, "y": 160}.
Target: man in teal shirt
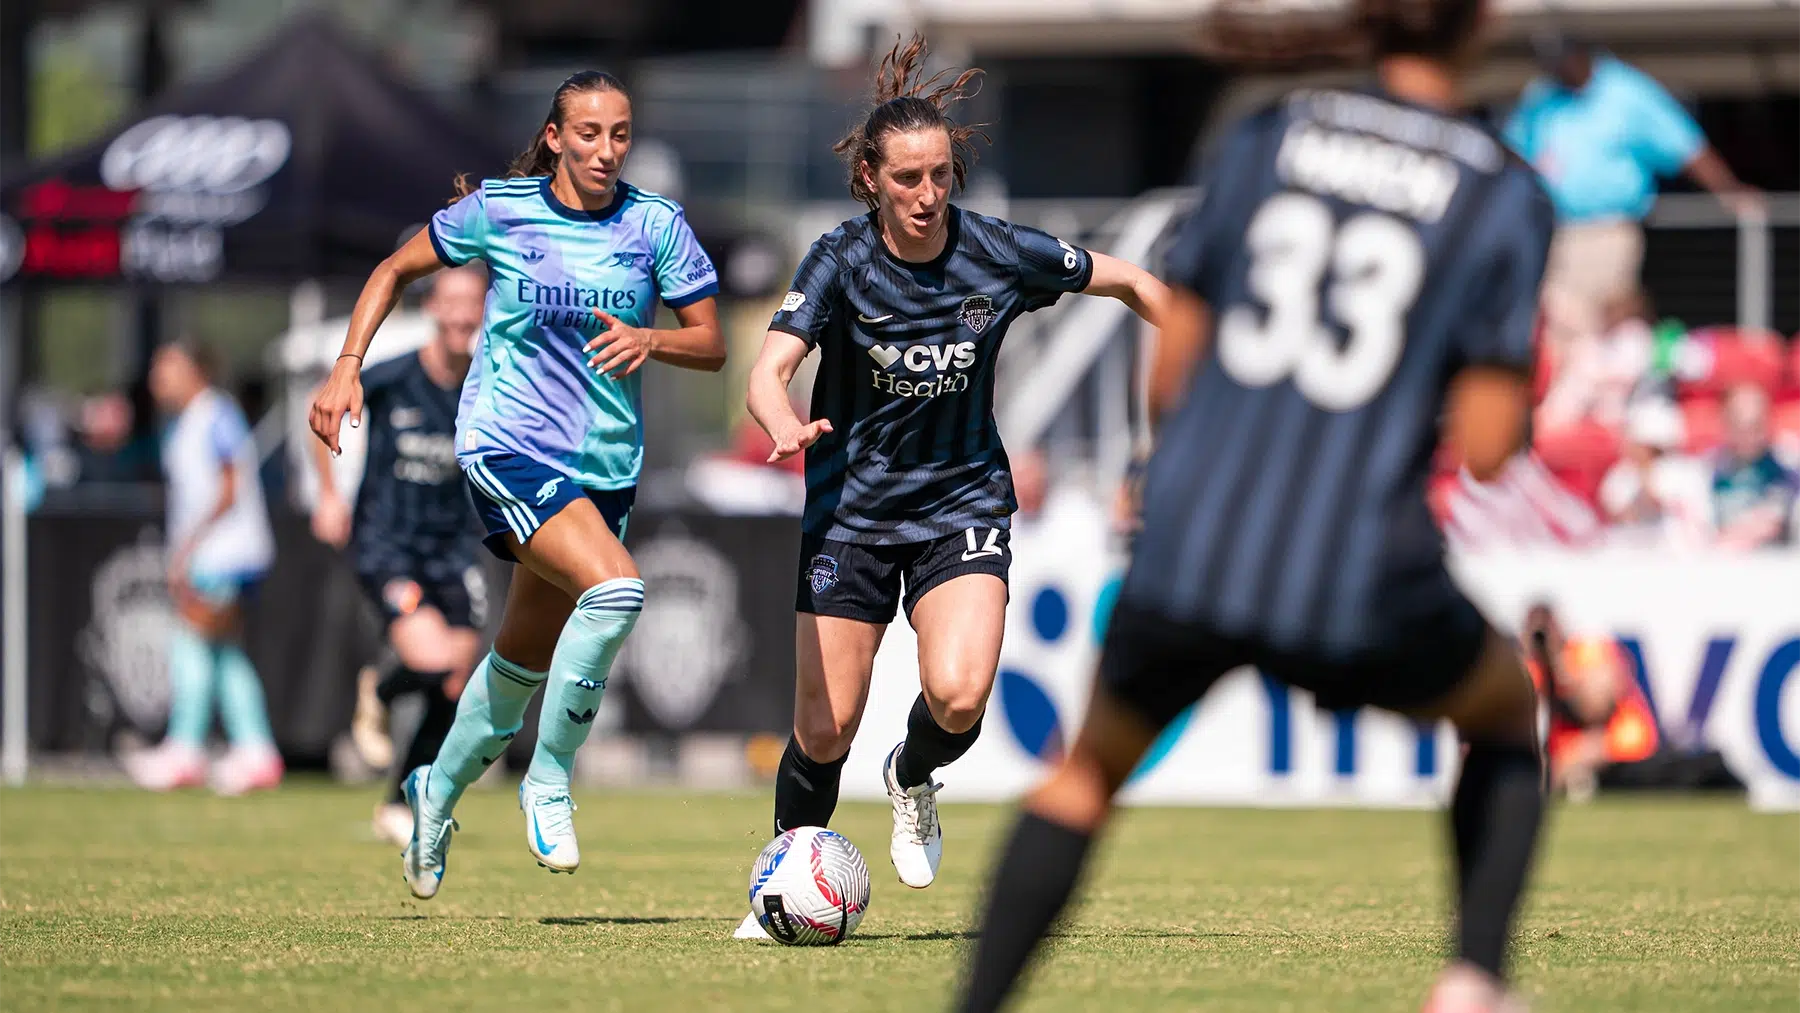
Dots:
{"x": 1601, "y": 133}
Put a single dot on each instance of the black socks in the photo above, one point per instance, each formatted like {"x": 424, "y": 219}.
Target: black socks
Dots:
{"x": 806, "y": 791}
{"x": 1494, "y": 820}
{"x": 928, "y": 746}
{"x": 1037, "y": 873}
{"x": 428, "y": 737}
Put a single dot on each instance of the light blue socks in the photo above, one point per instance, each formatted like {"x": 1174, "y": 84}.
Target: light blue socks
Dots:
{"x": 196, "y": 670}
{"x": 603, "y": 618}
{"x": 489, "y": 713}
{"x": 242, "y": 705}
{"x": 190, "y": 687}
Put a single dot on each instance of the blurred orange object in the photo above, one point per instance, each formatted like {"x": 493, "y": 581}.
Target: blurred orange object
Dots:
{"x": 1596, "y": 670}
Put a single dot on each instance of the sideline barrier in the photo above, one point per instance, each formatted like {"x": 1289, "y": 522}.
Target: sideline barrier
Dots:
{"x": 1716, "y": 639}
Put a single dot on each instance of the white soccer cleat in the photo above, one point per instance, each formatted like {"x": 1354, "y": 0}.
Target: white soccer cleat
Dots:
{"x": 918, "y": 843}
{"x": 427, "y": 852}
{"x": 247, "y": 769}
{"x": 166, "y": 767}
{"x": 392, "y": 823}
{"x": 750, "y": 928}
{"x": 369, "y": 722}
{"x": 550, "y": 826}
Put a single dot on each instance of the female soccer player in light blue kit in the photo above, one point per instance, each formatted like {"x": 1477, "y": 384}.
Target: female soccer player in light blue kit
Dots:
{"x": 548, "y": 436}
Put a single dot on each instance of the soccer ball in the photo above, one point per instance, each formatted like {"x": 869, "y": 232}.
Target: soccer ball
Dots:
{"x": 809, "y": 887}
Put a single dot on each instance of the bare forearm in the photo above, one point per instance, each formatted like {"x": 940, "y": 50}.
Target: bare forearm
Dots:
{"x": 768, "y": 402}
{"x": 1711, "y": 172}
{"x": 700, "y": 346}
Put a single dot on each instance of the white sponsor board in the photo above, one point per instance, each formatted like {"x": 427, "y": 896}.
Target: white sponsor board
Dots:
{"x": 1719, "y": 637}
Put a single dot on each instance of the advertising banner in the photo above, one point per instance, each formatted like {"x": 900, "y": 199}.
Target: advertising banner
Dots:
{"x": 1716, "y": 639}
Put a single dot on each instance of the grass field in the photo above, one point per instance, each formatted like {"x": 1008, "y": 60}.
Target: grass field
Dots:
{"x": 112, "y": 900}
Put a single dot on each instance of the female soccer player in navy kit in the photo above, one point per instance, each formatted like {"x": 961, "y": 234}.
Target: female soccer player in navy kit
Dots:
{"x": 548, "y": 437}
{"x": 412, "y": 536}
{"x": 1363, "y": 264}
{"x": 909, "y": 495}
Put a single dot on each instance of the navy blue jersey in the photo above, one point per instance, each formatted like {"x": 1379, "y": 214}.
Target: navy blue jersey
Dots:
{"x": 412, "y": 507}
{"x": 1357, "y": 253}
{"x": 906, "y": 373}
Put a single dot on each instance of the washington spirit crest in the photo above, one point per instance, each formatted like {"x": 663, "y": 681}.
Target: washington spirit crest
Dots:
{"x": 822, "y": 574}
{"x": 977, "y": 313}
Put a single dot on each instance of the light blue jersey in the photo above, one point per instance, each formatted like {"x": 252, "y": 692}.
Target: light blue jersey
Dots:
{"x": 1601, "y": 149}
{"x": 530, "y": 391}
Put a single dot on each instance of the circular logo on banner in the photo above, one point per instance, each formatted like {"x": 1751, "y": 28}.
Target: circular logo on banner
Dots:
{"x": 126, "y": 638}
{"x": 690, "y": 634}
{"x": 197, "y": 154}
{"x": 12, "y": 247}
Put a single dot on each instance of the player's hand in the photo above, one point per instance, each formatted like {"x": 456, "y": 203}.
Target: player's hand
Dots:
{"x": 342, "y": 395}
{"x": 331, "y": 520}
{"x": 621, "y": 348}
{"x": 797, "y": 439}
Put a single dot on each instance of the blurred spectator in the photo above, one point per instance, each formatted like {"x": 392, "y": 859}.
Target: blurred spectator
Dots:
{"x": 109, "y": 450}
{"x": 1596, "y": 374}
{"x": 1599, "y": 716}
{"x": 1655, "y": 493}
{"x": 742, "y": 479}
{"x": 1753, "y": 494}
{"x": 1524, "y": 506}
{"x": 1601, "y": 132}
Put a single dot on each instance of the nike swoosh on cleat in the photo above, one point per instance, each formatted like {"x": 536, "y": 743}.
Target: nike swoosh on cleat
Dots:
{"x": 874, "y": 320}
{"x": 543, "y": 848}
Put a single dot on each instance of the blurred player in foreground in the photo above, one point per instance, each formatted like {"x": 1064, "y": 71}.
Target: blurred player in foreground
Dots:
{"x": 220, "y": 546}
{"x": 909, "y": 493}
{"x": 413, "y": 537}
{"x": 1362, "y": 262}
{"x": 548, "y": 437}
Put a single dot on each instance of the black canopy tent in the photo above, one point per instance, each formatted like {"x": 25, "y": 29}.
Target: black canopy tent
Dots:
{"x": 308, "y": 160}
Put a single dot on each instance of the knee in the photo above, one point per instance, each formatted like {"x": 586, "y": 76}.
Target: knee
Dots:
{"x": 824, "y": 737}
{"x": 958, "y": 703}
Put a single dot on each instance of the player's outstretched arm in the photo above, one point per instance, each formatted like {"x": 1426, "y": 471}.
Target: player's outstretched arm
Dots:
{"x": 1486, "y": 418}
{"x": 1180, "y": 341}
{"x": 768, "y": 400}
{"x": 1131, "y": 285}
{"x": 342, "y": 393}
{"x": 698, "y": 343}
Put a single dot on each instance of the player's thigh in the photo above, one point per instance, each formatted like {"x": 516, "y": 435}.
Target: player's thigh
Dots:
{"x": 425, "y": 641}
{"x": 960, "y": 623}
{"x": 1494, "y": 702}
{"x": 834, "y": 660}
{"x": 574, "y": 549}
{"x": 535, "y": 613}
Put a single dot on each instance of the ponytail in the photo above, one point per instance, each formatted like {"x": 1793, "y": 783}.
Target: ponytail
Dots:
{"x": 905, "y": 100}
{"x": 538, "y": 159}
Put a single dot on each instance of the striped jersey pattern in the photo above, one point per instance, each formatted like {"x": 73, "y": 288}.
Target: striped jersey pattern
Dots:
{"x": 1357, "y": 252}
{"x": 411, "y": 508}
{"x": 906, "y": 373}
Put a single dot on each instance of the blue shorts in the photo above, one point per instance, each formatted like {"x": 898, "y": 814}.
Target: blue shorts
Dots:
{"x": 516, "y": 495}
{"x": 222, "y": 589}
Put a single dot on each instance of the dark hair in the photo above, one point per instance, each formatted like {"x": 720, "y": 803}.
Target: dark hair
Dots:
{"x": 203, "y": 355}
{"x": 1248, "y": 33}
{"x": 538, "y": 159}
{"x": 904, "y": 102}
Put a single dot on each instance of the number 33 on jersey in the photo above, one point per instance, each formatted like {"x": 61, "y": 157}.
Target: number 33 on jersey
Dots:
{"x": 1339, "y": 254}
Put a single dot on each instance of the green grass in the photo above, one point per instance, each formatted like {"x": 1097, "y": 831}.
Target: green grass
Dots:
{"x": 111, "y": 900}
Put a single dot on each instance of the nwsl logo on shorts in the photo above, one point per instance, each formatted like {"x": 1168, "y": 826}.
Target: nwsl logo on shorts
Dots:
{"x": 977, "y": 313}
{"x": 822, "y": 574}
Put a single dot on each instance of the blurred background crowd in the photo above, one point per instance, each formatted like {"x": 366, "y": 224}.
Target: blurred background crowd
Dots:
{"x": 227, "y": 171}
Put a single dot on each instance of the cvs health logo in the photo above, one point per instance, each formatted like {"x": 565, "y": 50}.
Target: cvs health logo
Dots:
{"x": 946, "y": 360}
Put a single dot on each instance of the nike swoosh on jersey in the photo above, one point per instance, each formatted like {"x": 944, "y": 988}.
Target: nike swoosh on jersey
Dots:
{"x": 874, "y": 320}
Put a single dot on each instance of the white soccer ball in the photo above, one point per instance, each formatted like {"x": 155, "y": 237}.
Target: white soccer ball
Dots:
{"x": 809, "y": 887}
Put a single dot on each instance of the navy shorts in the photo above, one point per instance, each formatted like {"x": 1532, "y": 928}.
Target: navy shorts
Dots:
{"x": 461, "y": 598}
{"x": 868, "y": 582}
{"x": 516, "y": 495}
{"x": 1158, "y": 666}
